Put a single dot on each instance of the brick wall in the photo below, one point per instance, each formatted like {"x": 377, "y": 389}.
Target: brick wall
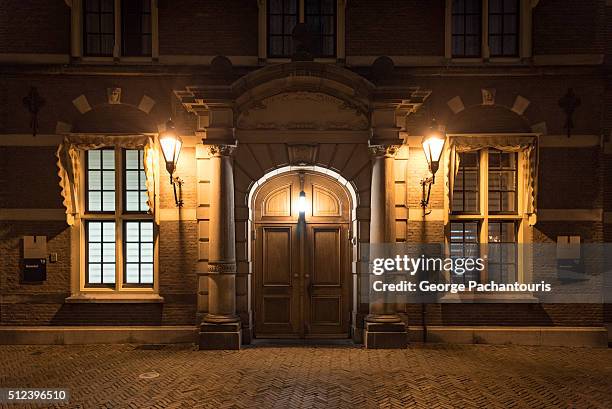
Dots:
{"x": 570, "y": 178}
{"x": 395, "y": 27}
{"x": 36, "y": 26}
{"x": 569, "y": 27}
{"x": 523, "y": 315}
{"x": 214, "y": 27}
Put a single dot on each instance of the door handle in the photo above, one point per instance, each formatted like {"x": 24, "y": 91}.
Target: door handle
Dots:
{"x": 309, "y": 287}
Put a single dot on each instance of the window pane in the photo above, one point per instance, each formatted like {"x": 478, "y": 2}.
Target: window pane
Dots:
{"x": 466, "y": 188}
{"x": 135, "y": 182}
{"x": 108, "y": 180}
{"x": 502, "y": 182}
{"x": 132, "y": 252}
{"x": 131, "y": 274}
{"x": 146, "y": 273}
{"x": 94, "y": 275}
{"x": 95, "y": 252}
{"x": 139, "y": 252}
{"x": 108, "y": 201}
{"x": 100, "y": 247}
{"x": 95, "y": 201}
{"x": 108, "y": 273}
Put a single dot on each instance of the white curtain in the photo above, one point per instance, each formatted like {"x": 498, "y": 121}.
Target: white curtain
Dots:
{"x": 69, "y": 155}
{"x": 526, "y": 146}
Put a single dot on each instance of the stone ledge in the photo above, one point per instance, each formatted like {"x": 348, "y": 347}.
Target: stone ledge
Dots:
{"x": 123, "y": 298}
{"x": 544, "y": 336}
{"x": 97, "y": 335}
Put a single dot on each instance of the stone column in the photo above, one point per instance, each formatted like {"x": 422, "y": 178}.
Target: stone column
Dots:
{"x": 220, "y": 328}
{"x": 383, "y": 327}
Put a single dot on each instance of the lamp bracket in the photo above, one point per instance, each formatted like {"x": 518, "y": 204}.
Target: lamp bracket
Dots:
{"x": 176, "y": 181}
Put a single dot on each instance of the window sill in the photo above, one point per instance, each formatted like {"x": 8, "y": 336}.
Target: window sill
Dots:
{"x": 116, "y": 60}
{"x": 499, "y": 297}
{"x": 114, "y": 299}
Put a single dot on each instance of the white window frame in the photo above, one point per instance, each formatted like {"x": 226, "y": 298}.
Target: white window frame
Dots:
{"x": 524, "y": 42}
{"x": 119, "y": 217}
{"x": 340, "y": 33}
{"x": 77, "y": 25}
{"x": 521, "y": 218}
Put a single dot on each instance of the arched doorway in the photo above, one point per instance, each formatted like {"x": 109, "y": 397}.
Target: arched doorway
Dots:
{"x": 301, "y": 256}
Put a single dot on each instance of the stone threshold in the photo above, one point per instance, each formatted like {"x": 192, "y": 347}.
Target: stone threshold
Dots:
{"x": 538, "y": 336}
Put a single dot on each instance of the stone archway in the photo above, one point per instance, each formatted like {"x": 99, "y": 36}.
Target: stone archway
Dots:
{"x": 302, "y": 283}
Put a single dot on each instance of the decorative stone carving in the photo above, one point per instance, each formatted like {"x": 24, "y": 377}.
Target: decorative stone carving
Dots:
{"x": 488, "y": 96}
{"x": 220, "y": 268}
{"x": 221, "y": 150}
{"x": 302, "y": 154}
{"x": 388, "y": 151}
{"x": 303, "y": 110}
{"x": 113, "y": 95}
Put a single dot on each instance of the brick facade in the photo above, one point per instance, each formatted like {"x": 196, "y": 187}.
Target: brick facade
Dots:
{"x": 570, "y": 177}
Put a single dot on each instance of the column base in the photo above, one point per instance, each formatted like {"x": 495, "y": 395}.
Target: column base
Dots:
{"x": 385, "y": 335}
{"x": 220, "y": 336}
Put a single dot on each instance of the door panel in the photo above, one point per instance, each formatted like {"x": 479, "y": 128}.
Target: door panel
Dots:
{"x": 328, "y": 277}
{"x": 277, "y": 290}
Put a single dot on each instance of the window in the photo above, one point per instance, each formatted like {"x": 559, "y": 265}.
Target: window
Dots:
{"x": 99, "y": 27}
{"x": 115, "y": 28}
{"x": 485, "y": 211}
{"x": 467, "y": 189}
{"x": 282, "y": 19}
{"x": 119, "y": 231}
{"x": 319, "y": 17}
{"x": 496, "y": 35}
{"x": 503, "y": 28}
{"x": 466, "y": 28}
{"x": 136, "y": 27}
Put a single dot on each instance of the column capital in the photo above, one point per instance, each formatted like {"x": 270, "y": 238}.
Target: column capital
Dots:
{"x": 388, "y": 151}
{"x": 221, "y": 150}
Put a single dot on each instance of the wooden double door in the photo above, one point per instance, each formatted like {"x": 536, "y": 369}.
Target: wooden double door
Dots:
{"x": 302, "y": 280}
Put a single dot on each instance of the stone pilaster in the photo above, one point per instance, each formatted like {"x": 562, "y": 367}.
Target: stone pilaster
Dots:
{"x": 383, "y": 327}
{"x": 220, "y": 328}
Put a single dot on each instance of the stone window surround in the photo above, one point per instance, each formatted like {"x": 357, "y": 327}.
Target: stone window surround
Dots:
{"x": 525, "y": 34}
{"x": 76, "y": 34}
{"x": 263, "y": 33}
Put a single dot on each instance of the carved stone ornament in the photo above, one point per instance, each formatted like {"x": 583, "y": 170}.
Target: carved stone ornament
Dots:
{"x": 388, "y": 151}
{"x": 488, "y": 96}
{"x": 221, "y": 150}
{"x": 221, "y": 268}
{"x": 302, "y": 155}
{"x": 303, "y": 110}
{"x": 113, "y": 95}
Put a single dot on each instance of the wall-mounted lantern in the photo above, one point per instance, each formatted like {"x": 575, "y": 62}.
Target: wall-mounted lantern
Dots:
{"x": 171, "y": 144}
{"x": 433, "y": 145}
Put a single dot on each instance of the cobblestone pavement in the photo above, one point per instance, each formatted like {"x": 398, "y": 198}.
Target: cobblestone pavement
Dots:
{"x": 423, "y": 376}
